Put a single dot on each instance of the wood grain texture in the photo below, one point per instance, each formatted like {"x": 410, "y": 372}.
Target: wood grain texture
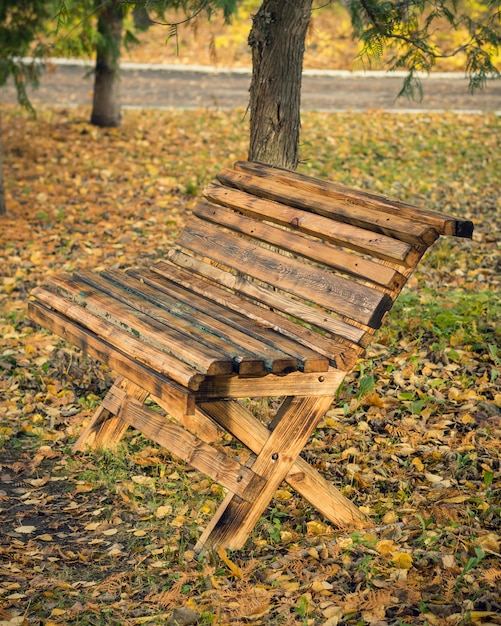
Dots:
{"x": 328, "y": 500}
{"x": 295, "y": 383}
{"x": 234, "y": 520}
{"x": 358, "y": 302}
{"x": 278, "y": 353}
{"x": 106, "y": 429}
{"x": 320, "y": 252}
{"x": 441, "y": 222}
{"x": 188, "y": 269}
{"x": 351, "y": 237}
{"x": 74, "y": 324}
{"x": 137, "y": 318}
{"x": 336, "y": 208}
{"x": 239, "y": 479}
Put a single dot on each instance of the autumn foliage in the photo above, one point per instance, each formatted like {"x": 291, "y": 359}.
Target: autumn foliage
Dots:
{"x": 414, "y": 438}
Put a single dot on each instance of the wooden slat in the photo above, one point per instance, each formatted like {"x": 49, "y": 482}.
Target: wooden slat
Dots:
{"x": 112, "y": 336}
{"x": 358, "y": 302}
{"x": 342, "y": 352}
{"x": 269, "y": 344}
{"x": 294, "y": 308}
{"x": 337, "y": 209}
{"x": 178, "y": 316}
{"x": 319, "y": 384}
{"x": 197, "y": 423}
{"x": 318, "y": 251}
{"x": 441, "y": 222}
{"x": 239, "y": 479}
{"x": 144, "y": 367}
{"x": 210, "y": 361}
{"x": 376, "y": 245}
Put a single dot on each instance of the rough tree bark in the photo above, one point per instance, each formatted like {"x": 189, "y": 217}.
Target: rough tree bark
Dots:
{"x": 277, "y": 40}
{"x": 106, "y": 106}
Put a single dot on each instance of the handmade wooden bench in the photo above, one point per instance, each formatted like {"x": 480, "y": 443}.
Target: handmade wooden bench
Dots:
{"x": 274, "y": 288}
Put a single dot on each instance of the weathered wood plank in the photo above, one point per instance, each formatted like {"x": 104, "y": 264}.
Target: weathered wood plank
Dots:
{"x": 358, "y": 302}
{"x": 354, "y": 238}
{"x": 178, "y": 397}
{"x": 342, "y": 352}
{"x": 297, "y": 244}
{"x": 99, "y": 339}
{"x": 197, "y": 423}
{"x": 279, "y": 354}
{"x": 178, "y": 316}
{"x": 150, "y": 331}
{"x": 328, "y": 500}
{"x": 319, "y": 384}
{"x": 239, "y": 479}
{"x": 441, "y": 222}
{"x": 337, "y": 209}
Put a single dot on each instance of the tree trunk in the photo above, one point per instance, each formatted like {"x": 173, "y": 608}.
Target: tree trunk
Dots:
{"x": 3, "y": 207}
{"x": 106, "y": 101}
{"x": 277, "y": 40}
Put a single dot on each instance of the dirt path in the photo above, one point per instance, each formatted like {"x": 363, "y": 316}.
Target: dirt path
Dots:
{"x": 188, "y": 87}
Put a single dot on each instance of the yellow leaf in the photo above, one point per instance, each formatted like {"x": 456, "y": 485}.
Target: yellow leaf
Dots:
{"x": 234, "y": 569}
{"x": 163, "y": 511}
{"x": 479, "y": 616}
{"x": 386, "y": 547}
{"x": 36, "y": 258}
{"x": 456, "y": 499}
{"x": 25, "y": 530}
{"x": 110, "y": 531}
{"x": 282, "y": 495}
{"x": 467, "y": 419}
{"x": 316, "y": 528}
{"x": 489, "y": 542}
{"x": 139, "y": 533}
{"x": 390, "y": 517}
{"x": 45, "y": 537}
{"x": 144, "y": 481}
{"x": 402, "y": 560}
{"x": 84, "y": 487}
{"x": 418, "y": 464}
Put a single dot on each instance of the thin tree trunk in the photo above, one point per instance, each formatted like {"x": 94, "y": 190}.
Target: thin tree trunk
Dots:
{"x": 277, "y": 40}
{"x": 106, "y": 100}
{"x": 3, "y": 207}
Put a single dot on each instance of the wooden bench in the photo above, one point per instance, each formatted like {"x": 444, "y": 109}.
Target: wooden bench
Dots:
{"x": 274, "y": 288}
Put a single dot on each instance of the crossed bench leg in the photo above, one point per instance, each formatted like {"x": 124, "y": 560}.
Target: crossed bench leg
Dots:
{"x": 276, "y": 451}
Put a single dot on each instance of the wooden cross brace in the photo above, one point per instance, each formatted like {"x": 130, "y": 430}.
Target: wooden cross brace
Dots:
{"x": 250, "y": 488}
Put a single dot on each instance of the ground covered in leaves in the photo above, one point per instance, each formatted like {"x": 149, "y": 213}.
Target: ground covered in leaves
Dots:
{"x": 414, "y": 438}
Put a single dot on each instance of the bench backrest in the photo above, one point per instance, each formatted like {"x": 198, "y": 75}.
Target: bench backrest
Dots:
{"x": 317, "y": 261}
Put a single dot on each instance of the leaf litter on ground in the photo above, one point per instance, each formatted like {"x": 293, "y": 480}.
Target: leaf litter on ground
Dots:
{"x": 413, "y": 439}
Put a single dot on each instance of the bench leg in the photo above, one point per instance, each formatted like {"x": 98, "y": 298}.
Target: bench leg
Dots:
{"x": 106, "y": 429}
{"x": 235, "y": 519}
{"x": 311, "y": 485}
